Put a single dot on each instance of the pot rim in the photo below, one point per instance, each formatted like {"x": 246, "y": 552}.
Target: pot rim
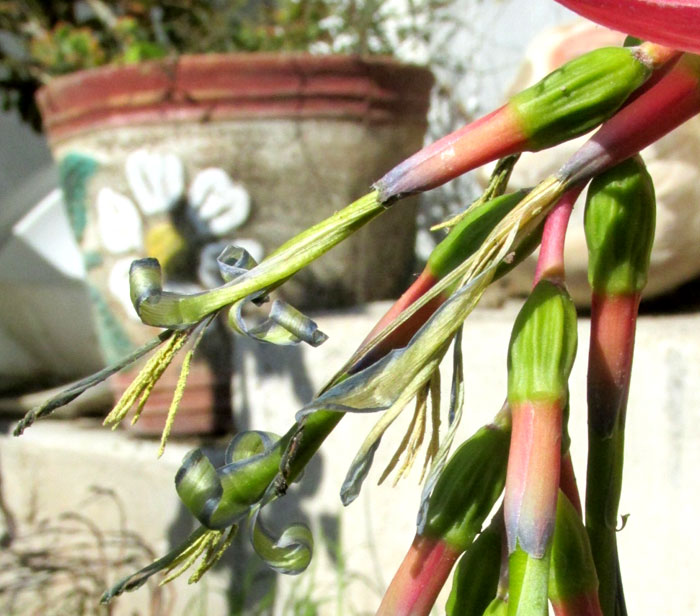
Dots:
{"x": 230, "y": 86}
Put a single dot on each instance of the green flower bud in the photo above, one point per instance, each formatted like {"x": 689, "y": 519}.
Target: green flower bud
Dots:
{"x": 467, "y": 236}
{"x": 468, "y": 487}
{"x": 542, "y": 346}
{"x": 475, "y": 581}
{"x": 619, "y": 220}
{"x": 572, "y": 572}
{"x": 578, "y": 95}
{"x": 497, "y": 607}
{"x": 527, "y": 584}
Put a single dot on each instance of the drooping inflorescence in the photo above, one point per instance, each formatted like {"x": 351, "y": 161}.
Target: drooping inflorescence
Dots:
{"x": 537, "y": 548}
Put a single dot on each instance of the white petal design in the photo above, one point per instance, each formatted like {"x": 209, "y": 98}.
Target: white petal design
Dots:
{"x": 118, "y": 222}
{"x": 118, "y": 284}
{"x": 156, "y": 180}
{"x": 220, "y": 204}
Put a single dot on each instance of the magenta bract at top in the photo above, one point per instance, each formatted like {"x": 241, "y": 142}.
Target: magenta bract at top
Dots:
{"x": 675, "y": 23}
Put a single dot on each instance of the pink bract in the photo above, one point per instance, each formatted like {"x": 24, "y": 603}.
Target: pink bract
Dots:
{"x": 675, "y": 23}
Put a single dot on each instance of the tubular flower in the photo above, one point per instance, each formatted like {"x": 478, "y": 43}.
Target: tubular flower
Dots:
{"x": 568, "y": 102}
{"x": 540, "y": 358}
{"x": 619, "y": 222}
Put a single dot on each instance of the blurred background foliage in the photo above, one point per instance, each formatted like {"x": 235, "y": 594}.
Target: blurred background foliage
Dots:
{"x": 40, "y": 40}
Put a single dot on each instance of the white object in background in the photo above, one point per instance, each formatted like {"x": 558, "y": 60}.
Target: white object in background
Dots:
{"x": 221, "y": 204}
{"x": 118, "y": 284}
{"x": 44, "y": 305}
{"x": 118, "y": 222}
{"x": 156, "y": 180}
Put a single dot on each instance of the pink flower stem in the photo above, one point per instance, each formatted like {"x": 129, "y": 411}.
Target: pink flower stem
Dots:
{"x": 550, "y": 263}
{"x": 613, "y": 322}
{"x": 420, "y": 578}
{"x": 568, "y": 484}
{"x": 494, "y": 136}
{"x": 586, "y": 604}
{"x": 403, "y": 333}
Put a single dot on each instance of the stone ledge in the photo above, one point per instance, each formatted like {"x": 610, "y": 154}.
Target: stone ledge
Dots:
{"x": 49, "y": 469}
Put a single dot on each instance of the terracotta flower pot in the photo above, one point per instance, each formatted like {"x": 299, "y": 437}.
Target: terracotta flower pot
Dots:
{"x": 174, "y": 158}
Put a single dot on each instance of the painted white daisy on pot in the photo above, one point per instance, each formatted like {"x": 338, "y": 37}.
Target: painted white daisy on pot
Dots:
{"x": 165, "y": 219}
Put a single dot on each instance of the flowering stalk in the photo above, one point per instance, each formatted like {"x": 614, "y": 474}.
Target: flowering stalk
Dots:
{"x": 573, "y": 584}
{"x": 408, "y": 592}
{"x": 464, "y": 494}
{"x": 670, "y": 102}
{"x": 219, "y": 497}
{"x": 540, "y": 357}
{"x": 619, "y": 223}
{"x": 567, "y": 103}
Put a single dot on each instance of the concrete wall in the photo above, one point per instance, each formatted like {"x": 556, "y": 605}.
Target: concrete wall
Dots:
{"x": 49, "y": 469}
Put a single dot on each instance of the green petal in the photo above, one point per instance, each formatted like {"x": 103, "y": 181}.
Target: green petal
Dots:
{"x": 218, "y": 497}
{"x": 290, "y": 553}
{"x": 285, "y": 325}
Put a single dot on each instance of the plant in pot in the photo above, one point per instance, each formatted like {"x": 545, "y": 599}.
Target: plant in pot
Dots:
{"x": 178, "y": 127}
{"x": 539, "y": 547}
